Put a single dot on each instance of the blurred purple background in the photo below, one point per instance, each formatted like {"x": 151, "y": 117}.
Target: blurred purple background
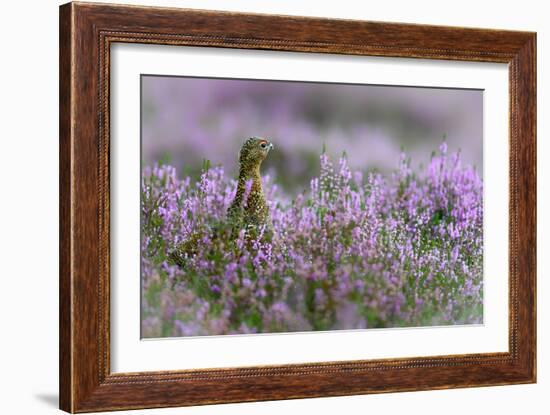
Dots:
{"x": 186, "y": 120}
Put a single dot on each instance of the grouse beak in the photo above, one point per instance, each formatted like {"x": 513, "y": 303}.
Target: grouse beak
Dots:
{"x": 270, "y": 147}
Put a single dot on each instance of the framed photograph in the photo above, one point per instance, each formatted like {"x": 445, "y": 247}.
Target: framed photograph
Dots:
{"x": 258, "y": 207}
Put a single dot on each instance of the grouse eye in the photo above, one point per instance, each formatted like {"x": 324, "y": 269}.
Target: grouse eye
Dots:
{"x": 263, "y": 145}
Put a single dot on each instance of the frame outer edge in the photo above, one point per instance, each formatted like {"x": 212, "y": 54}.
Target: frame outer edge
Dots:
{"x": 84, "y": 206}
{"x": 523, "y": 157}
{"x": 527, "y": 126}
{"x": 66, "y": 120}
{"x": 534, "y": 230}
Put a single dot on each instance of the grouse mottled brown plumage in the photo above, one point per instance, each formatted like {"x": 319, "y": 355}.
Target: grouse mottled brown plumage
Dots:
{"x": 249, "y": 208}
{"x": 252, "y": 212}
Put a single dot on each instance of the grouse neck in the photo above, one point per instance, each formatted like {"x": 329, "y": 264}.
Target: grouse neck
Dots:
{"x": 250, "y": 173}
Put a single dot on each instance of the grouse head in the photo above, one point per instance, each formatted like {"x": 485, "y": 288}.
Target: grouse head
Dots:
{"x": 254, "y": 151}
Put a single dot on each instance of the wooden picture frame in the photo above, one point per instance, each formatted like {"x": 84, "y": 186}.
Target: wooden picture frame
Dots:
{"x": 86, "y": 33}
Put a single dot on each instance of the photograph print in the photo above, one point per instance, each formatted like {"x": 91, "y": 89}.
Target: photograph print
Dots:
{"x": 284, "y": 206}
